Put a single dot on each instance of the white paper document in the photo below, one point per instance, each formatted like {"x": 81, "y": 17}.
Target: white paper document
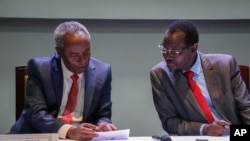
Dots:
{"x": 112, "y": 135}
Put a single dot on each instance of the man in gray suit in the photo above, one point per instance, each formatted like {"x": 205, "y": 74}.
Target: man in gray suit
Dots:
{"x": 217, "y": 76}
{"x": 49, "y": 83}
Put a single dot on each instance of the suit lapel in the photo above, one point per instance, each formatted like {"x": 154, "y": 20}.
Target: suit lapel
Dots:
{"x": 183, "y": 89}
{"x": 57, "y": 77}
{"x": 90, "y": 82}
{"x": 212, "y": 79}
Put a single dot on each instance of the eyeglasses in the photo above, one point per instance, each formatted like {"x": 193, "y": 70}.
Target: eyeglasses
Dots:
{"x": 170, "y": 52}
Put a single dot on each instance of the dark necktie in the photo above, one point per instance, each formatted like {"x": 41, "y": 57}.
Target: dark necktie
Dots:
{"x": 71, "y": 103}
{"x": 199, "y": 97}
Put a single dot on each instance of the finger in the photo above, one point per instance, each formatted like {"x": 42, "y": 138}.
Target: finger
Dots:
{"x": 88, "y": 135}
{"x": 89, "y": 126}
{"x": 85, "y": 133}
{"x": 113, "y": 127}
{"x": 221, "y": 130}
{"x": 105, "y": 127}
{"x": 226, "y": 128}
{"x": 222, "y": 123}
{"x": 86, "y": 130}
{"x": 218, "y": 132}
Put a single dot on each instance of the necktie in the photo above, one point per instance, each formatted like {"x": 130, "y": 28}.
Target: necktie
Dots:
{"x": 71, "y": 103}
{"x": 199, "y": 97}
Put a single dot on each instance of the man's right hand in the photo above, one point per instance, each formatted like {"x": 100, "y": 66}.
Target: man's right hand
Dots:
{"x": 83, "y": 132}
{"x": 216, "y": 128}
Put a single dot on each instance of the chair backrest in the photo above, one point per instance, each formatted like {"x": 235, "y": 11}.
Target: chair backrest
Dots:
{"x": 244, "y": 70}
{"x": 21, "y": 77}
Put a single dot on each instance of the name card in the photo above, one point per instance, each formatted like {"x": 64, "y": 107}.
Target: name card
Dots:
{"x": 29, "y": 137}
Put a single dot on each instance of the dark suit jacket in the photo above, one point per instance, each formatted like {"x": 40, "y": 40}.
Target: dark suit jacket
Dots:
{"x": 44, "y": 94}
{"x": 176, "y": 106}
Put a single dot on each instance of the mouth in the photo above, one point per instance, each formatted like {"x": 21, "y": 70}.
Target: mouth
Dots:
{"x": 81, "y": 67}
{"x": 169, "y": 62}
{"x": 79, "y": 70}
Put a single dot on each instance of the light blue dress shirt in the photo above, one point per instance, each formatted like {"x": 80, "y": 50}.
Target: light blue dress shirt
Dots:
{"x": 200, "y": 80}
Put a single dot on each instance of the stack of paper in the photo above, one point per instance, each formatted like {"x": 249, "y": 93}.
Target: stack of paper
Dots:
{"x": 113, "y": 135}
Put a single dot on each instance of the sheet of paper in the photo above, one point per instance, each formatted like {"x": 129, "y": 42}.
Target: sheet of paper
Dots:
{"x": 113, "y": 135}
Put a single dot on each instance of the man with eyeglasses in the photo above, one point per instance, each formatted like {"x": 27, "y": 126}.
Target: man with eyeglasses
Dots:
{"x": 196, "y": 93}
{"x": 69, "y": 92}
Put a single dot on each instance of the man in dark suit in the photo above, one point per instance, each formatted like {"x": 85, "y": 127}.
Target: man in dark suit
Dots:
{"x": 217, "y": 76}
{"x": 49, "y": 84}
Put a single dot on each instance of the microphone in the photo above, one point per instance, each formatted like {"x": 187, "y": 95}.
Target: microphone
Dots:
{"x": 162, "y": 138}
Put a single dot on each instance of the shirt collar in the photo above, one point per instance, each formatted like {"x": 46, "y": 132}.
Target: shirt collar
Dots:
{"x": 196, "y": 68}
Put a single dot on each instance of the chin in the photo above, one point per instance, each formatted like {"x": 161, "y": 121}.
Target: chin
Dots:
{"x": 171, "y": 66}
{"x": 81, "y": 70}
{"x": 171, "y": 69}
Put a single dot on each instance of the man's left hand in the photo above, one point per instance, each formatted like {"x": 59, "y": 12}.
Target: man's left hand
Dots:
{"x": 104, "y": 126}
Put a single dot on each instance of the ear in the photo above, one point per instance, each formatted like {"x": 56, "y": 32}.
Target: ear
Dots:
{"x": 194, "y": 47}
{"x": 58, "y": 50}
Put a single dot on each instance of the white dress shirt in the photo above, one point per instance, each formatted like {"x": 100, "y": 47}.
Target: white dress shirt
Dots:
{"x": 78, "y": 112}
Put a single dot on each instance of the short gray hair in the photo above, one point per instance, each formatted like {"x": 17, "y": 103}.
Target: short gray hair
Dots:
{"x": 69, "y": 27}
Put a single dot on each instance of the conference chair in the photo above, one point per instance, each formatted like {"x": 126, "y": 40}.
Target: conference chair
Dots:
{"x": 21, "y": 77}
{"x": 244, "y": 70}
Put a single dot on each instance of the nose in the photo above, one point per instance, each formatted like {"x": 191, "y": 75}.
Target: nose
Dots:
{"x": 168, "y": 55}
{"x": 82, "y": 59}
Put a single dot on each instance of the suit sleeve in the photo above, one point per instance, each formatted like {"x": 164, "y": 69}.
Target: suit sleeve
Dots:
{"x": 171, "y": 121}
{"x": 103, "y": 112}
{"x": 241, "y": 94}
{"x": 37, "y": 112}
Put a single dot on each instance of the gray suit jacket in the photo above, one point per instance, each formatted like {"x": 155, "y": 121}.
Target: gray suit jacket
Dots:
{"x": 176, "y": 106}
{"x": 44, "y": 94}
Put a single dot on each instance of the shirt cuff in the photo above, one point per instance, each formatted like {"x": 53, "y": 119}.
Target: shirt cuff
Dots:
{"x": 201, "y": 129}
{"x": 62, "y": 132}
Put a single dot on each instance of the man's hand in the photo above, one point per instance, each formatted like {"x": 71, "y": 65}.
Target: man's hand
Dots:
{"x": 83, "y": 132}
{"x": 104, "y": 126}
{"x": 216, "y": 128}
